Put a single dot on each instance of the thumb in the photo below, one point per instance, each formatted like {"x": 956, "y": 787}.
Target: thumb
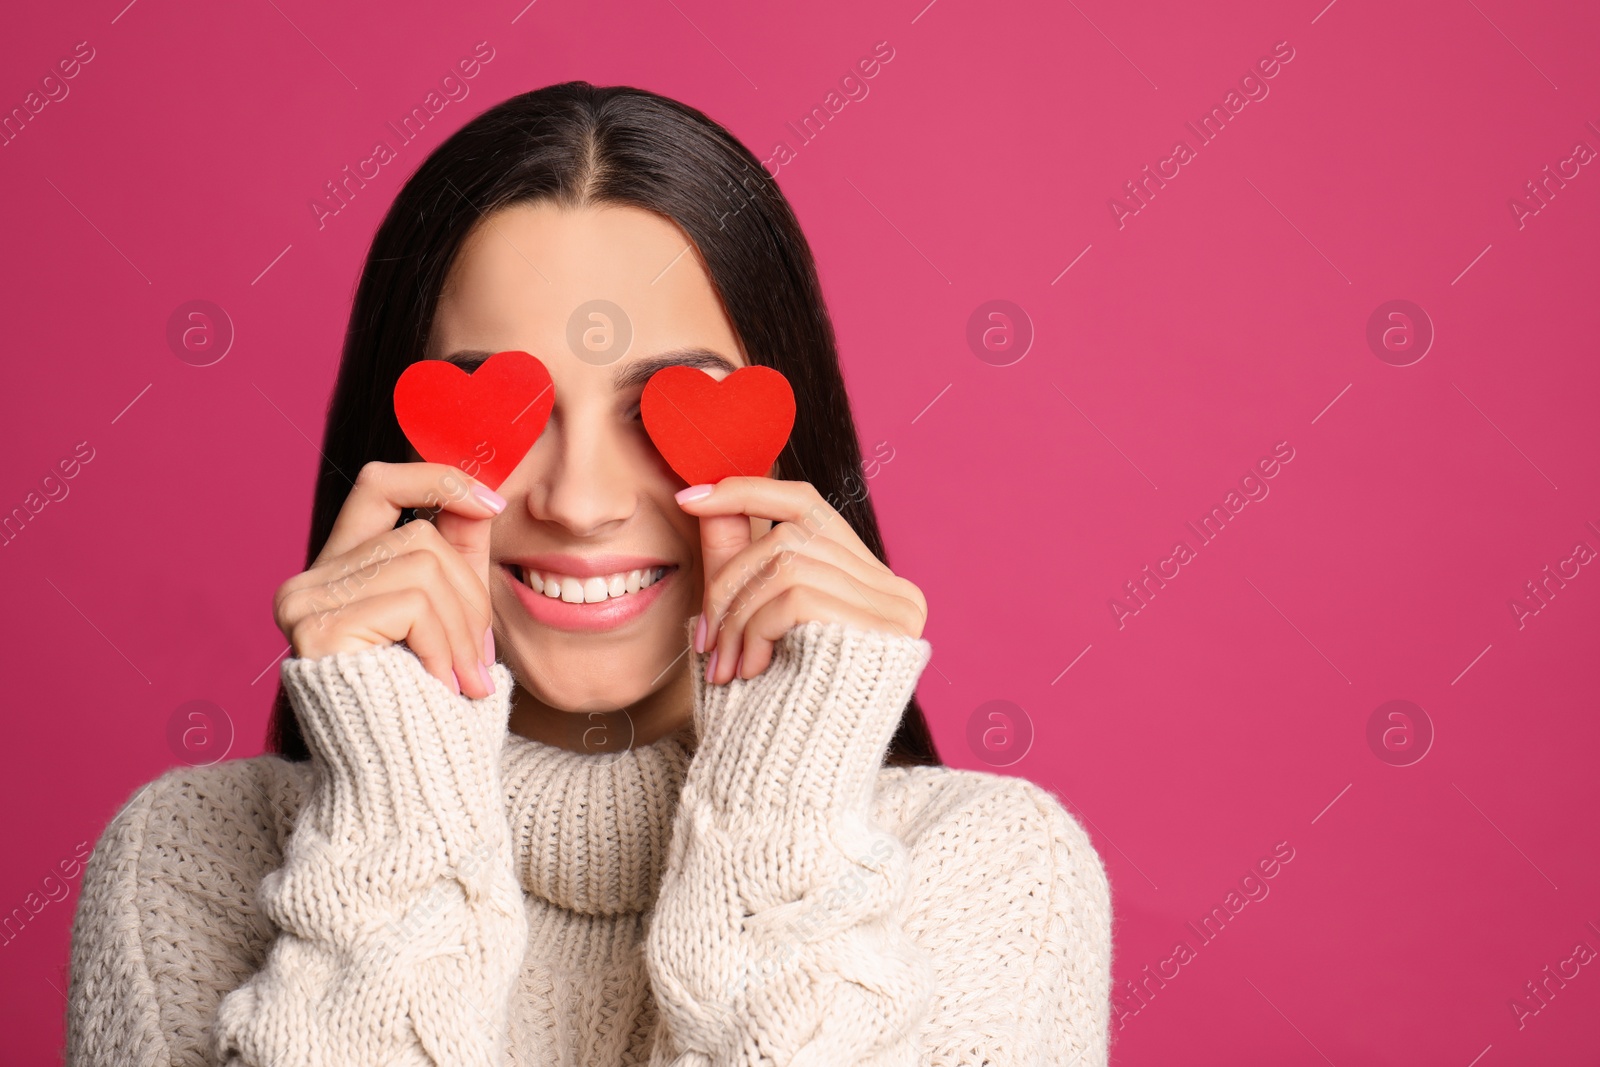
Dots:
{"x": 470, "y": 538}
{"x": 721, "y": 538}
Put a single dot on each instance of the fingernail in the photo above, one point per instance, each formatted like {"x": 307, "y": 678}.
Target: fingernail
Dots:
{"x": 491, "y": 499}
{"x": 455, "y": 681}
{"x": 694, "y": 492}
{"x": 488, "y": 682}
{"x": 700, "y": 634}
{"x": 488, "y": 646}
{"x": 711, "y": 665}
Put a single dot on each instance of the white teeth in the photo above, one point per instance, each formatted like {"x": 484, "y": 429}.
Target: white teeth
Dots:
{"x": 591, "y": 590}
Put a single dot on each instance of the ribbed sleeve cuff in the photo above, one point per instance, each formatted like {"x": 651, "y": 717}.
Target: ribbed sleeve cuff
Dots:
{"x": 803, "y": 740}
{"x": 406, "y": 761}
{"x": 776, "y": 938}
{"x": 400, "y": 923}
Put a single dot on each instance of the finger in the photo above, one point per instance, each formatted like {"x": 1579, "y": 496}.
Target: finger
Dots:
{"x": 797, "y": 577}
{"x": 383, "y": 490}
{"x": 471, "y": 539}
{"x": 722, "y": 537}
{"x": 401, "y": 615}
{"x": 780, "y": 501}
{"x": 429, "y": 571}
{"x": 344, "y": 577}
{"x": 421, "y": 570}
{"x": 795, "y": 605}
{"x": 755, "y": 565}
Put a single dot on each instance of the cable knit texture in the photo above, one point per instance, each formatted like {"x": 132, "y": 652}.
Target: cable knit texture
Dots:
{"x": 755, "y": 889}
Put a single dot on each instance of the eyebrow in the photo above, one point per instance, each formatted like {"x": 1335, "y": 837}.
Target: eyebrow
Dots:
{"x": 635, "y": 373}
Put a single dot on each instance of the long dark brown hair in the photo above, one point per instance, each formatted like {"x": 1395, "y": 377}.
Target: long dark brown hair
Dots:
{"x": 576, "y": 144}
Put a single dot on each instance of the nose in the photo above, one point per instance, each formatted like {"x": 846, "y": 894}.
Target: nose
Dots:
{"x": 581, "y": 478}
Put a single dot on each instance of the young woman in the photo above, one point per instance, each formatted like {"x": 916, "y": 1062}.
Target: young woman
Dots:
{"x": 595, "y": 769}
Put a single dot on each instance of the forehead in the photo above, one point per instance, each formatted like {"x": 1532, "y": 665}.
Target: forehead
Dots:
{"x": 531, "y": 276}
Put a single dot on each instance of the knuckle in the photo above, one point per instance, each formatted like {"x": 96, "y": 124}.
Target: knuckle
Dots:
{"x": 905, "y": 610}
{"x": 420, "y": 532}
{"x": 726, "y": 539}
{"x": 282, "y": 599}
{"x": 417, "y": 570}
{"x": 293, "y": 603}
{"x": 790, "y": 534}
{"x": 302, "y": 634}
{"x": 795, "y": 599}
{"x": 416, "y": 603}
{"x": 371, "y": 474}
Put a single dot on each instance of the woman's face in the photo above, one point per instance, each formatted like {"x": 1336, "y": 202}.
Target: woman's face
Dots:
{"x": 593, "y": 500}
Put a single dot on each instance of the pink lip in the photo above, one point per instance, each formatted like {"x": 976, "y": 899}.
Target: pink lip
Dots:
{"x": 585, "y": 618}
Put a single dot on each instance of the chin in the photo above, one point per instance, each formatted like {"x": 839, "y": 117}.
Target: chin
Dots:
{"x": 586, "y": 673}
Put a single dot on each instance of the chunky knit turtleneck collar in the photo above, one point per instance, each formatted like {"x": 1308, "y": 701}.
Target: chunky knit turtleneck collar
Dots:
{"x": 591, "y": 831}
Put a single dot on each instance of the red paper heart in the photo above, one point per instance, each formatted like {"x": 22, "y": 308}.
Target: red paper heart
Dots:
{"x": 709, "y": 430}
{"x": 484, "y": 422}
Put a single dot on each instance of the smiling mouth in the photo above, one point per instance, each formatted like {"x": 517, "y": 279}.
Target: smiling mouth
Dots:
{"x": 596, "y": 590}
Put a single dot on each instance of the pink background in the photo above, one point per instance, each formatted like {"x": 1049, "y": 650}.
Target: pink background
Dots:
{"x": 1228, "y": 715}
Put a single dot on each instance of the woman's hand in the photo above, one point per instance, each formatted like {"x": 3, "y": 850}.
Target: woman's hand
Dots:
{"x": 810, "y": 566}
{"x": 426, "y": 583}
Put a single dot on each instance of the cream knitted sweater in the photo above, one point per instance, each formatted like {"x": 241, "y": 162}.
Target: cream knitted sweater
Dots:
{"x": 432, "y": 889}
